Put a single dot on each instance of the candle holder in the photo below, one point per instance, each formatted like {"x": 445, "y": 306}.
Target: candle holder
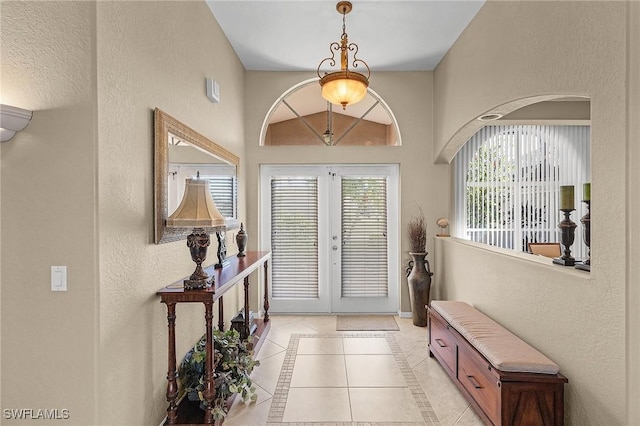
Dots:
{"x": 586, "y": 234}
{"x": 567, "y": 230}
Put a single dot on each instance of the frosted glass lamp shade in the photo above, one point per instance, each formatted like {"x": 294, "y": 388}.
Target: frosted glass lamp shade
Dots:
{"x": 197, "y": 209}
{"x": 344, "y": 87}
{"x": 12, "y": 120}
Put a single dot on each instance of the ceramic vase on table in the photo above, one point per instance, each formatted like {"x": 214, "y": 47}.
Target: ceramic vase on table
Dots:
{"x": 419, "y": 280}
{"x": 241, "y": 240}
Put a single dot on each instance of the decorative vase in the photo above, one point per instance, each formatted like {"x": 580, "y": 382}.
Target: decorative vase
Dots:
{"x": 241, "y": 240}
{"x": 419, "y": 279}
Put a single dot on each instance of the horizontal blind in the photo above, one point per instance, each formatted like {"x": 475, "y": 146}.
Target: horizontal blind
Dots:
{"x": 224, "y": 193}
{"x": 364, "y": 237}
{"x": 294, "y": 237}
{"x": 508, "y": 180}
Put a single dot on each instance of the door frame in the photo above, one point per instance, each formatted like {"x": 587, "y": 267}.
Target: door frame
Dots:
{"x": 367, "y": 305}
{"x": 325, "y": 288}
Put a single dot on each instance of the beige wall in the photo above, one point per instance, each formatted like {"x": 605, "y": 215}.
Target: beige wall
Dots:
{"x": 49, "y": 208}
{"x": 408, "y": 95}
{"x": 633, "y": 214}
{"x": 93, "y": 73}
{"x": 515, "y": 50}
{"x": 151, "y": 54}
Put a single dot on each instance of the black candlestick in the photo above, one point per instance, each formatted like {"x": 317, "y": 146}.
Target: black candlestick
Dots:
{"x": 222, "y": 250}
{"x": 567, "y": 229}
{"x": 586, "y": 233}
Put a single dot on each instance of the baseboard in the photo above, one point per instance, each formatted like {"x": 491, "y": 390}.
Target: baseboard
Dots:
{"x": 405, "y": 314}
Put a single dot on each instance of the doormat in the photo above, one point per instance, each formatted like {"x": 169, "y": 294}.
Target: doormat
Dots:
{"x": 366, "y": 323}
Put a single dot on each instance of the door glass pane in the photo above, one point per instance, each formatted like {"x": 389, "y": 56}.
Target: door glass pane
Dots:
{"x": 294, "y": 237}
{"x": 364, "y": 237}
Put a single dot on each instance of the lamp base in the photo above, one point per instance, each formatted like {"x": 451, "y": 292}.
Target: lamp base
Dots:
{"x": 198, "y": 284}
{"x": 564, "y": 262}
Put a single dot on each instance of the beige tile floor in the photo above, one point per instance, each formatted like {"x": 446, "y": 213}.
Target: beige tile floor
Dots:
{"x": 337, "y": 379}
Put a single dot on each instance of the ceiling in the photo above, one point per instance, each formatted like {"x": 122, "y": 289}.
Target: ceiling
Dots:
{"x": 295, "y": 35}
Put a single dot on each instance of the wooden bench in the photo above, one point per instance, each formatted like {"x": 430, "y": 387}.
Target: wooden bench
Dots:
{"x": 507, "y": 381}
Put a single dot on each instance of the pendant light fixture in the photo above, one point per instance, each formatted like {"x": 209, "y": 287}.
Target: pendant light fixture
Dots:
{"x": 344, "y": 87}
{"x": 327, "y": 136}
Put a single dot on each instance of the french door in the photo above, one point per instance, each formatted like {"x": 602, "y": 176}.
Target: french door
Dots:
{"x": 333, "y": 232}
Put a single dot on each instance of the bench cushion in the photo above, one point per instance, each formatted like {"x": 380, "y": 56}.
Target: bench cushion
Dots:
{"x": 503, "y": 349}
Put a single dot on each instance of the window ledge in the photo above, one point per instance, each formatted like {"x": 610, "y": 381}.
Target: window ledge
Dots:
{"x": 545, "y": 262}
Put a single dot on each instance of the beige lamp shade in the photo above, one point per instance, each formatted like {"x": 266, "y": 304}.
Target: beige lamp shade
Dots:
{"x": 197, "y": 209}
{"x": 344, "y": 87}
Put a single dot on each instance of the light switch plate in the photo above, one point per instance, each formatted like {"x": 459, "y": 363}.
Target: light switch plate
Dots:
{"x": 213, "y": 90}
{"x": 58, "y": 278}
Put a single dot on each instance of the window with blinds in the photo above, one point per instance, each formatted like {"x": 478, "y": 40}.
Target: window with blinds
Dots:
{"x": 223, "y": 185}
{"x": 508, "y": 181}
{"x": 364, "y": 237}
{"x": 294, "y": 237}
{"x": 224, "y": 191}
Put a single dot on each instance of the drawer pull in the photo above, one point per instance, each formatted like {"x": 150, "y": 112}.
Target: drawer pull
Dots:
{"x": 441, "y": 343}
{"x": 474, "y": 382}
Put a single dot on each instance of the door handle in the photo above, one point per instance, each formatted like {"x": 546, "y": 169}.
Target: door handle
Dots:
{"x": 474, "y": 382}
{"x": 441, "y": 343}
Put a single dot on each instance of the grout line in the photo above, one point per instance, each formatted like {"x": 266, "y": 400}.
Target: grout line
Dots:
{"x": 279, "y": 400}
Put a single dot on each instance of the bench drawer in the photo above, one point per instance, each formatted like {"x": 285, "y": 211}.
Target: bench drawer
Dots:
{"x": 475, "y": 374}
{"x": 442, "y": 342}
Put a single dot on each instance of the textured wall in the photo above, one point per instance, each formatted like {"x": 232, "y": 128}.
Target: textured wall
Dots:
{"x": 48, "y": 210}
{"x": 514, "y": 50}
{"x": 408, "y": 95}
{"x": 151, "y": 54}
{"x": 633, "y": 212}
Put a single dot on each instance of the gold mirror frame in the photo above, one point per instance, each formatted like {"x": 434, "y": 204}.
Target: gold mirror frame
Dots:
{"x": 164, "y": 125}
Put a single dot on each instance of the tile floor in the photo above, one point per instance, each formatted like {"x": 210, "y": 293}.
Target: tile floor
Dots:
{"x": 310, "y": 374}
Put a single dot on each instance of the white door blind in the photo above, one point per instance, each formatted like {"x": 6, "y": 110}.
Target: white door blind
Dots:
{"x": 294, "y": 237}
{"x": 364, "y": 237}
{"x": 224, "y": 192}
{"x": 508, "y": 181}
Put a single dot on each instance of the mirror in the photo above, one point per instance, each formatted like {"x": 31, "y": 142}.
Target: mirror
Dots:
{"x": 181, "y": 152}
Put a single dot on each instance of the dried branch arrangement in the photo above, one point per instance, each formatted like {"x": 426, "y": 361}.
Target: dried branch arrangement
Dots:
{"x": 417, "y": 230}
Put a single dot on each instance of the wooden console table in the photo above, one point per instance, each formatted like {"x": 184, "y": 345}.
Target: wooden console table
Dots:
{"x": 225, "y": 279}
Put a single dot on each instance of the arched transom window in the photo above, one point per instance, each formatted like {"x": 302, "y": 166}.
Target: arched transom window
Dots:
{"x": 302, "y": 117}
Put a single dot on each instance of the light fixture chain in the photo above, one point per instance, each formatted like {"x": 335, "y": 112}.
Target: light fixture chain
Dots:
{"x": 344, "y": 87}
{"x": 344, "y": 23}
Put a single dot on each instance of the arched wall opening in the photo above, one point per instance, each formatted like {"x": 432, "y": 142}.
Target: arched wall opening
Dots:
{"x": 537, "y": 109}
{"x": 508, "y": 166}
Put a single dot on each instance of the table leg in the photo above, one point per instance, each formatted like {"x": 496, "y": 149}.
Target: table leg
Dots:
{"x": 220, "y": 314}
{"x": 172, "y": 372}
{"x": 246, "y": 308}
{"x": 209, "y": 385}
{"x": 266, "y": 291}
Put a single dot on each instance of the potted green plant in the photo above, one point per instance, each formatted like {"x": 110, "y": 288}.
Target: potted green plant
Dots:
{"x": 234, "y": 363}
{"x": 418, "y": 273}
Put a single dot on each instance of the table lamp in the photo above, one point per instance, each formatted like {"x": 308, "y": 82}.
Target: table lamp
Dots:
{"x": 198, "y": 211}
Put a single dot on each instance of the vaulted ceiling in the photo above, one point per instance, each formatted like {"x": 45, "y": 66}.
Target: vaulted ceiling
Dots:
{"x": 295, "y": 35}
